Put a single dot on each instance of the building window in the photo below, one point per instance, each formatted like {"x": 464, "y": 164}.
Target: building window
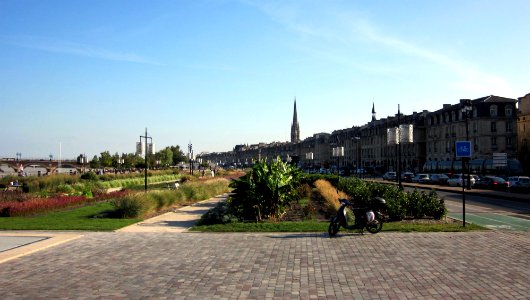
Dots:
{"x": 453, "y": 116}
{"x": 509, "y": 126}
{"x": 494, "y": 141}
{"x": 508, "y": 111}
{"x": 493, "y": 110}
{"x": 493, "y": 126}
{"x": 508, "y": 141}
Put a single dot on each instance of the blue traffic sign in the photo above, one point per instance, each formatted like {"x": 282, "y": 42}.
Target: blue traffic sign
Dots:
{"x": 463, "y": 149}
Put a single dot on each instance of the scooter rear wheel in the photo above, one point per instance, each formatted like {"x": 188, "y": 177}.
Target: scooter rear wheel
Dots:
{"x": 333, "y": 227}
{"x": 376, "y": 225}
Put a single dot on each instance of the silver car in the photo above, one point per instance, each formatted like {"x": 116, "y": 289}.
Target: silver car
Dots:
{"x": 421, "y": 178}
{"x": 389, "y": 176}
{"x": 456, "y": 180}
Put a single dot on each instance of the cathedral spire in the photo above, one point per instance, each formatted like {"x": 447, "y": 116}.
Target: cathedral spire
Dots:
{"x": 295, "y": 128}
{"x": 373, "y": 111}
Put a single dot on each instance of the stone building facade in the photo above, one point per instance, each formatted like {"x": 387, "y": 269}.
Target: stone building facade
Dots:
{"x": 492, "y": 128}
{"x": 523, "y": 131}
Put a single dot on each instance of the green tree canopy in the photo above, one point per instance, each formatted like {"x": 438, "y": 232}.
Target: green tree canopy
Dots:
{"x": 94, "y": 163}
{"x": 105, "y": 159}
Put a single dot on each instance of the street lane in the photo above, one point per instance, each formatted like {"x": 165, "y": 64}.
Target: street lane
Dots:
{"x": 489, "y": 212}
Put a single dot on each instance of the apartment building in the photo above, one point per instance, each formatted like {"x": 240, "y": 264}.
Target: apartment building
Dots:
{"x": 523, "y": 131}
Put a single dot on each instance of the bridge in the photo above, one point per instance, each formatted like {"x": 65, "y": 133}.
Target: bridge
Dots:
{"x": 36, "y": 167}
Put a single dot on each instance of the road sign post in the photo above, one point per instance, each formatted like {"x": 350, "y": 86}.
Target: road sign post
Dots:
{"x": 463, "y": 151}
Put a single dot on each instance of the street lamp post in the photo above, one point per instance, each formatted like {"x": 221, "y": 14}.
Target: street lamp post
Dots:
{"x": 120, "y": 163}
{"x": 399, "y": 151}
{"x": 309, "y": 157}
{"x": 190, "y": 151}
{"x": 358, "y": 157}
{"x": 338, "y": 152}
{"x": 146, "y": 151}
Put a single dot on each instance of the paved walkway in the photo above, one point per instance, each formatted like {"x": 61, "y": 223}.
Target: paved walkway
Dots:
{"x": 476, "y": 265}
{"x": 177, "y": 221}
{"x": 161, "y": 263}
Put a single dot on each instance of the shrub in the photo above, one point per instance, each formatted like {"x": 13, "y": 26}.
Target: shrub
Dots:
{"x": 64, "y": 189}
{"x": 265, "y": 191}
{"x": 220, "y": 214}
{"x": 128, "y": 206}
{"x": 359, "y": 191}
{"x": 400, "y": 204}
{"x": 89, "y": 176}
{"x": 305, "y": 190}
{"x": 434, "y": 205}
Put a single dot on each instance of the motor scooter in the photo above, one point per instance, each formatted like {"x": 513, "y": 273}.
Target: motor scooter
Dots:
{"x": 351, "y": 217}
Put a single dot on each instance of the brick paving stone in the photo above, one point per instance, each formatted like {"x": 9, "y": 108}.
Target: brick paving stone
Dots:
{"x": 475, "y": 265}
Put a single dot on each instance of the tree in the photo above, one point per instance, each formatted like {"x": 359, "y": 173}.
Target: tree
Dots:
{"x": 94, "y": 163}
{"x": 105, "y": 159}
{"x": 178, "y": 155}
{"x": 166, "y": 157}
{"x": 115, "y": 160}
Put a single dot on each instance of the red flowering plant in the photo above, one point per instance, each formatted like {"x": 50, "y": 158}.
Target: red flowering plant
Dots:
{"x": 40, "y": 205}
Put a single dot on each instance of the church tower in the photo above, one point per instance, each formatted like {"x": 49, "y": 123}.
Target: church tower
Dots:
{"x": 295, "y": 128}
{"x": 373, "y": 112}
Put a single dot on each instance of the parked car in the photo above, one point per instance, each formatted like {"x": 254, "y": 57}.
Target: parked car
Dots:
{"x": 421, "y": 178}
{"x": 360, "y": 171}
{"x": 522, "y": 185}
{"x": 456, "y": 180}
{"x": 440, "y": 179}
{"x": 407, "y": 177}
{"x": 516, "y": 180}
{"x": 492, "y": 182}
{"x": 389, "y": 176}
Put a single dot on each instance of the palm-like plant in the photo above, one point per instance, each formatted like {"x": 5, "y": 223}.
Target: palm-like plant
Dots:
{"x": 265, "y": 191}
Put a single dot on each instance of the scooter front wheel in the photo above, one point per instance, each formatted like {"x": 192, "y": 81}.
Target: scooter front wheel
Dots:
{"x": 376, "y": 225}
{"x": 333, "y": 228}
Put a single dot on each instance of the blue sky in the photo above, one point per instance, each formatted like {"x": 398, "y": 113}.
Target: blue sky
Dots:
{"x": 92, "y": 75}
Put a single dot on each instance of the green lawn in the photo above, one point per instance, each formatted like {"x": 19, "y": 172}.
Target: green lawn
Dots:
{"x": 75, "y": 219}
{"x": 315, "y": 226}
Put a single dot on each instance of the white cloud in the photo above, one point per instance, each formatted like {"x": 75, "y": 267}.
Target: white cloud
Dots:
{"x": 77, "y": 49}
{"x": 339, "y": 28}
{"x": 469, "y": 78}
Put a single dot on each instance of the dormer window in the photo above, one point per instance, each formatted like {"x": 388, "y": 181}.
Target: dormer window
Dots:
{"x": 508, "y": 111}
{"x": 493, "y": 110}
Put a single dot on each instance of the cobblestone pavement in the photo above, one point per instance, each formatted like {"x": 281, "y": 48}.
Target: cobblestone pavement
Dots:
{"x": 475, "y": 265}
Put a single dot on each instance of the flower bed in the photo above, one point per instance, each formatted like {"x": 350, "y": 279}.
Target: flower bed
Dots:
{"x": 39, "y": 205}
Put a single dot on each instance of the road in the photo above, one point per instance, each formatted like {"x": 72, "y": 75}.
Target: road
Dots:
{"x": 491, "y": 212}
